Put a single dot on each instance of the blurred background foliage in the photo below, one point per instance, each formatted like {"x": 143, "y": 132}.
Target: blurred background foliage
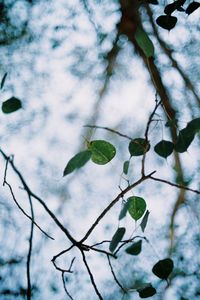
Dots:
{"x": 70, "y": 65}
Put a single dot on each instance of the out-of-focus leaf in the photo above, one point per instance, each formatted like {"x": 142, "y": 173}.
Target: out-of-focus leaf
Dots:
{"x": 170, "y": 8}
{"x": 186, "y": 135}
{"x": 147, "y": 291}
{"x": 126, "y": 167}
{"x": 163, "y": 268}
{"x": 124, "y": 210}
{"x": 136, "y": 207}
{"x": 144, "y": 42}
{"x": 166, "y": 22}
{"x": 155, "y": 2}
{"x": 11, "y": 105}
{"x": 135, "y": 248}
{"x": 184, "y": 140}
{"x": 138, "y": 147}
{"x": 77, "y": 161}
{"x": 143, "y": 224}
{"x": 194, "y": 125}
{"x": 164, "y": 148}
{"x": 117, "y": 237}
{"x": 192, "y": 7}
{"x": 102, "y": 151}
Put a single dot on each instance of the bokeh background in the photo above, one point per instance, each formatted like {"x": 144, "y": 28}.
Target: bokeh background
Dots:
{"x": 65, "y": 65}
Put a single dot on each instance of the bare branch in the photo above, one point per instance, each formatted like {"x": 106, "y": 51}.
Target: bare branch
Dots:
{"x": 175, "y": 185}
{"x": 114, "y": 276}
{"x": 64, "y": 285}
{"x": 28, "y": 190}
{"x": 157, "y": 104}
{"x": 23, "y": 211}
{"x": 109, "y": 129}
{"x": 91, "y": 276}
{"x": 30, "y": 251}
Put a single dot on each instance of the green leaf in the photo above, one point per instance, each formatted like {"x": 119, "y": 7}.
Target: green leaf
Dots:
{"x": 194, "y": 125}
{"x": 135, "y": 248}
{"x": 11, "y": 105}
{"x": 166, "y": 22}
{"x": 147, "y": 291}
{"x": 102, "y": 151}
{"x": 136, "y": 207}
{"x": 124, "y": 210}
{"x": 144, "y": 42}
{"x": 186, "y": 135}
{"x": 138, "y": 147}
{"x": 163, "y": 268}
{"x": 143, "y": 224}
{"x": 126, "y": 167}
{"x": 117, "y": 237}
{"x": 77, "y": 161}
{"x": 184, "y": 140}
{"x": 164, "y": 148}
{"x": 3, "y": 80}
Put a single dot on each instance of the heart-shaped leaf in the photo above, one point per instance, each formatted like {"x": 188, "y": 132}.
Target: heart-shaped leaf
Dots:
{"x": 135, "y": 248}
{"x": 102, "y": 151}
{"x": 138, "y": 147}
{"x": 117, "y": 237}
{"x": 77, "y": 161}
{"x": 144, "y": 42}
{"x": 192, "y": 7}
{"x": 163, "y": 268}
{"x": 164, "y": 148}
{"x": 166, "y": 22}
{"x": 11, "y": 105}
{"x": 136, "y": 207}
{"x": 144, "y": 221}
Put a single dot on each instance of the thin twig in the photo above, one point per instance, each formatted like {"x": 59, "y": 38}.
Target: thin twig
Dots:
{"x": 114, "y": 276}
{"x": 147, "y": 131}
{"x": 109, "y": 129}
{"x": 91, "y": 276}
{"x": 64, "y": 285}
{"x": 23, "y": 211}
{"x": 61, "y": 253}
{"x": 30, "y": 251}
{"x": 102, "y": 251}
{"x": 28, "y": 190}
{"x": 175, "y": 185}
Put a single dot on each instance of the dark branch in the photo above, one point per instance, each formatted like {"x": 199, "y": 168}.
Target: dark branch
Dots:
{"x": 28, "y": 190}
{"x": 91, "y": 276}
{"x": 30, "y": 251}
{"x": 175, "y": 185}
{"x": 114, "y": 276}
